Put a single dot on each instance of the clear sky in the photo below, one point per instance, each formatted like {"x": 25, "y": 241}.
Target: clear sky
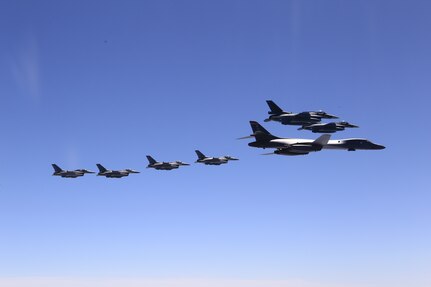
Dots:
{"x": 86, "y": 82}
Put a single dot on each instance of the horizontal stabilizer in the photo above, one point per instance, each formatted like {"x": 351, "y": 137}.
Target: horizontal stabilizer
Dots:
{"x": 246, "y": 137}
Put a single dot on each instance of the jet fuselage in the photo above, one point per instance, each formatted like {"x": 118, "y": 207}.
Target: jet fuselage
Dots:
{"x": 305, "y": 144}
{"x": 328, "y": 127}
{"x": 114, "y": 173}
{"x": 353, "y": 144}
{"x": 165, "y": 165}
{"x": 294, "y": 119}
{"x": 69, "y": 173}
{"x": 215, "y": 160}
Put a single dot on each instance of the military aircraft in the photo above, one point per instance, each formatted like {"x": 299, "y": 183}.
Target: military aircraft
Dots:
{"x": 291, "y": 146}
{"x": 213, "y": 160}
{"x": 69, "y": 173}
{"x": 328, "y": 127}
{"x": 114, "y": 173}
{"x": 285, "y": 146}
{"x": 164, "y": 165}
{"x": 289, "y": 118}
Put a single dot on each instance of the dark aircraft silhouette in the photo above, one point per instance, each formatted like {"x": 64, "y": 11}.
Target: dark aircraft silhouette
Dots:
{"x": 291, "y": 146}
{"x": 289, "y": 118}
{"x": 114, "y": 173}
{"x": 69, "y": 173}
{"x": 164, "y": 165}
{"x": 213, "y": 160}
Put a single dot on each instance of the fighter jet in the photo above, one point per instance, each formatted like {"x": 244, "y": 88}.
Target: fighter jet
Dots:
{"x": 213, "y": 160}
{"x": 328, "y": 127}
{"x": 289, "y": 118}
{"x": 114, "y": 173}
{"x": 164, "y": 165}
{"x": 290, "y": 146}
{"x": 69, "y": 173}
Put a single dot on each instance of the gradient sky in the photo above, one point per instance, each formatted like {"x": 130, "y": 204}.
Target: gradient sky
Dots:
{"x": 86, "y": 82}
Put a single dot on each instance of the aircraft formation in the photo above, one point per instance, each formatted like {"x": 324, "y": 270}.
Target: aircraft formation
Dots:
{"x": 152, "y": 163}
{"x": 308, "y": 120}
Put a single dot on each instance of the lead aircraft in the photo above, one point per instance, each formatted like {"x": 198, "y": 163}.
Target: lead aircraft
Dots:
{"x": 293, "y": 146}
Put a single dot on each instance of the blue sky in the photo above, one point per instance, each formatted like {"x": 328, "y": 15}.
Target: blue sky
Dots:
{"x": 84, "y": 82}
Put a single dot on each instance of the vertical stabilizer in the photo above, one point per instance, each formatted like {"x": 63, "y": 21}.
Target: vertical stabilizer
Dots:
{"x": 260, "y": 133}
{"x": 200, "y": 155}
{"x": 151, "y": 160}
{"x": 101, "y": 168}
{"x": 56, "y": 168}
{"x": 274, "y": 109}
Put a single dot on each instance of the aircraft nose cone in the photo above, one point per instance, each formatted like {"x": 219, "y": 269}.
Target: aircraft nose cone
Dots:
{"x": 377, "y": 146}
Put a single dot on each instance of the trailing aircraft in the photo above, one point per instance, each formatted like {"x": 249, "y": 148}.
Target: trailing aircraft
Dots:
{"x": 164, "y": 165}
{"x": 114, "y": 173}
{"x": 328, "y": 127}
{"x": 69, "y": 173}
{"x": 289, "y": 118}
{"x": 291, "y": 146}
{"x": 212, "y": 160}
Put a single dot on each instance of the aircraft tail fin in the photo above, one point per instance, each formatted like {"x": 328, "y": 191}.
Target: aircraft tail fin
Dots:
{"x": 200, "y": 155}
{"x": 322, "y": 140}
{"x": 101, "y": 168}
{"x": 151, "y": 160}
{"x": 260, "y": 133}
{"x": 56, "y": 168}
{"x": 274, "y": 109}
